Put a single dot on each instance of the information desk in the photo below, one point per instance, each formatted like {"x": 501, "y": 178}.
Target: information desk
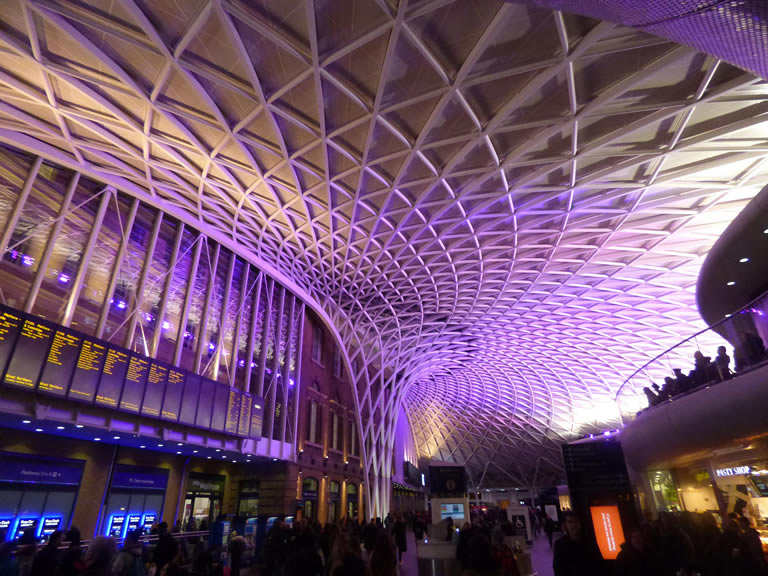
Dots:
{"x": 42, "y": 357}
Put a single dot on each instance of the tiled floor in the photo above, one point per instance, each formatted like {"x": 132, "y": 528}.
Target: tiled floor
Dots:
{"x": 542, "y": 556}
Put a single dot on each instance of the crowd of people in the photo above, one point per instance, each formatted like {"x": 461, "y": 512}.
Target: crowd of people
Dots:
{"x": 749, "y": 353}
{"x": 64, "y": 555}
{"x": 676, "y": 544}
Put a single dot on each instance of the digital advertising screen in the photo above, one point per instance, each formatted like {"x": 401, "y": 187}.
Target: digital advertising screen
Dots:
{"x": 189, "y": 398}
{"x": 88, "y": 370}
{"x": 135, "y": 382}
{"x": 116, "y": 526}
{"x": 113, "y": 377}
{"x": 10, "y": 326}
{"x": 220, "y": 405}
{"x": 153, "y": 395}
{"x": 608, "y": 530}
{"x": 204, "y": 406}
{"x": 60, "y": 363}
{"x": 30, "y": 354}
{"x": 174, "y": 388}
{"x": 454, "y": 510}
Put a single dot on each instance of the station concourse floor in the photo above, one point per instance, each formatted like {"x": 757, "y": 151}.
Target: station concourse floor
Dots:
{"x": 542, "y": 558}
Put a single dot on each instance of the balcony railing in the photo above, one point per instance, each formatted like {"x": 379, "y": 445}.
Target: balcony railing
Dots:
{"x": 695, "y": 363}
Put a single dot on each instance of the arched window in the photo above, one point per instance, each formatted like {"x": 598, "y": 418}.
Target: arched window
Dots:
{"x": 351, "y": 501}
{"x": 309, "y": 488}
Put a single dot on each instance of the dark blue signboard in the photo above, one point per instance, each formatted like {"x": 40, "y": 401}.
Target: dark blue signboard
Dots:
{"x": 189, "y": 398}
{"x": 207, "y": 391}
{"x": 233, "y": 411}
{"x": 220, "y": 403}
{"x": 257, "y": 418}
{"x": 246, "y": 405}
{"x": 10, "y": 326}
{"x": 135, "y": 381}
{"x": 173, "y": 391}
{"x": 30, "y": 470}
{"x": 153, "y": 395}
{"x": 133, "y": 477}
{"x": 116, "y": 525}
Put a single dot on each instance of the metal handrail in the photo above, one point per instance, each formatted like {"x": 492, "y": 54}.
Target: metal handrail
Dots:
{"x": 682, "y": 342}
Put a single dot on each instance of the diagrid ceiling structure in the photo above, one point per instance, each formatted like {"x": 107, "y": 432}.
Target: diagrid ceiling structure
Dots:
{"x": 501, "y": 209}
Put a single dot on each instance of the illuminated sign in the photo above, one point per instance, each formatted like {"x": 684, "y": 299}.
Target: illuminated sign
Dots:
{"x": 608, "y": 530}
{"x": 147, "y": 520}
{"x": 134, "y": 521}
{"x": 22, "y": 525}
{"x": 116, "y": 525}
{"x": 48, "y": 526}
{"x": 5, "y": 524}
{"x": 423, "y": 481}
{"x": 735, "y": 471}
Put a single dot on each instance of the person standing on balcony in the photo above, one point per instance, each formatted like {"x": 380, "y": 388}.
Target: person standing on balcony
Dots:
{"x": 723, "y": 363}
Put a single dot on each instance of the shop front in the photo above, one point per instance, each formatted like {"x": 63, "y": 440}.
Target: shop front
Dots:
{"x": 352, "y": 501}
{"x": 37, "y": 493}
{"x": 135, "y": 500}
{"x": 202, "y": 503}
{"x": 309, "y": 498}
{"x": 334, "y": 501}
{"x": 248, "y": 504}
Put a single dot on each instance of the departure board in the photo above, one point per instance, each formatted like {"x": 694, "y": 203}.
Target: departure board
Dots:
{"x": 85, "y": 380}
{"x": 189, "y": 398}
{"x": 204, "y": 406}
{"x": 60, "y": 363}
{"x": 30, "y": 353}
{"x": 10, "y": 326}
{"x": 257, "y": 418}
{"x": 246, "y": 404}
{"x": 153, "y": 395}
{"x": 112, "y": 377}
{"x": 233, "y": 411}
{"x": 135, "y": 381}
{"x": 220, "y": 402}
{"x": 173, "y": 391}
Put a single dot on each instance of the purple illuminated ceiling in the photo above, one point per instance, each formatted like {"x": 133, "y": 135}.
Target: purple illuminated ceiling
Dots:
{"x": 501, "y": 208}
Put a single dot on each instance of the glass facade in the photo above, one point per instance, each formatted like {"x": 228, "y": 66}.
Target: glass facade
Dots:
{"x": 84, "y": 255}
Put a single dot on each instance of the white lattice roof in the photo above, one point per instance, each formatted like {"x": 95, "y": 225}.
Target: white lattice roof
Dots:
{"x": 504, "y": 207}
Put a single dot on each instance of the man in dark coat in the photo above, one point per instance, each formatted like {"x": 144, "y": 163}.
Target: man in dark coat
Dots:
{"x": 574, "y": 555}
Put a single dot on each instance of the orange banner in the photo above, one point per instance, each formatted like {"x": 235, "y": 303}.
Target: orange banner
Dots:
{"x": 608, "y": 530}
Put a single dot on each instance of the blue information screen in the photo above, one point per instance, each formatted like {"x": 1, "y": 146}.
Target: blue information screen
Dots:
{"x": 22, "y": 525}
{"x": 134, "y": 521}
{"x": 116, "y": 526}
{"x": 147, "y": 520}
{"x": 48, "y": 526}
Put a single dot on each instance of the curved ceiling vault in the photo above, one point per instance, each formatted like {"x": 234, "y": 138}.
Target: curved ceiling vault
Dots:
{"x": 506, "y": 207}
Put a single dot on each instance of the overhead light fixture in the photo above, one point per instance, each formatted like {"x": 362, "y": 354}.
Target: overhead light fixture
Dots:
{"x": 38, "y": 429}
{"x": 97, "y": 439}
{"x": 26, "y": 421}
{"x": 59, "y": 427}
{"x": 194, "y": 451}
{"x": 178, "y": 452}
{"x": 79, "y": 426}
{"x": 743, "y": 260}
{"x": 207, "y": 457}
{"x": 218, "y": 450}
{"x": 180, "y": 444}
{"x": 142, "y": 446}
{"x": 160, "y": 445}
{"x": 116, "y": 437}
{"x": 731, "y": 283}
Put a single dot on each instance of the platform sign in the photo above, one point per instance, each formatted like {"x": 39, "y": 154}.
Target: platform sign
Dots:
{"x": 257, "y": 417}
{"x": 85, "y": 380}
{"x": 135, "y": 382}
{"x": 116, "y": 525}
{"x": 147, "y": 521}
{"x": 60, "y": 363}
{"x": 22, "y": 525}
{"x": 134, "y": 523}
{"x": 113, "y": 377}
{"x": 153, "y": 395}
{"x": 246, "y": 406}
{"x": 10, "y": 326}
{"x": 47, "y": 526}
{"x": 608, "y": 530}
{"x": 189, "y": 399}
{"x": 30, "y": 354}
{"x": 220, "y": 404}
{"x": 233, "y": 411}
{"x": 173, "y": 391}
{"x": 204, "y": 406}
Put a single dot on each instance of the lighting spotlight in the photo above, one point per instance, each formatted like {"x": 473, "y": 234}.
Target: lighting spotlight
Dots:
{"x": 142, "y": 446}
{"x": 731, "y": 283}
{"x": 26, "y": 421}
{"x": 97, "y": 439}
{"x": 743, "y": 260}
{"x": 179, "y": 452}
{"x": 79, "y": 426}
{"x": 116, "y": 437}
{"x": 59, "y": 427}
{"x": 38, "y": 429}
{"x": 160, "y": 445}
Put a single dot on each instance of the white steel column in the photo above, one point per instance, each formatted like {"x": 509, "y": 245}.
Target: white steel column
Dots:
{"x": 77, "y": 286}
{"x": 50, "y": 243}
{"x": 238, "y": 322}
{"x": 125, "y": 237}
{"x": 297, "y": 386}
{"x": 274, "y": 380}
{"x": 252, "y": 332}
{"x": 201, "y": 340}
{"x": 184, "y": 316}
{"x": 223, "y": 315}
{"x": 13, "y": 219}
{"x": 138, "y": 297}
{"x": 267, "y": 323}
{"x": 286, "y": 371}
{"x": 160, "y": 316}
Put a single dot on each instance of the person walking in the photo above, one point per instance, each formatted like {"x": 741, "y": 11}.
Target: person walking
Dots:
{"x": 400, "y": 535}
{"x": 47, "y": 559}
{"x": 549, "y": 528}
